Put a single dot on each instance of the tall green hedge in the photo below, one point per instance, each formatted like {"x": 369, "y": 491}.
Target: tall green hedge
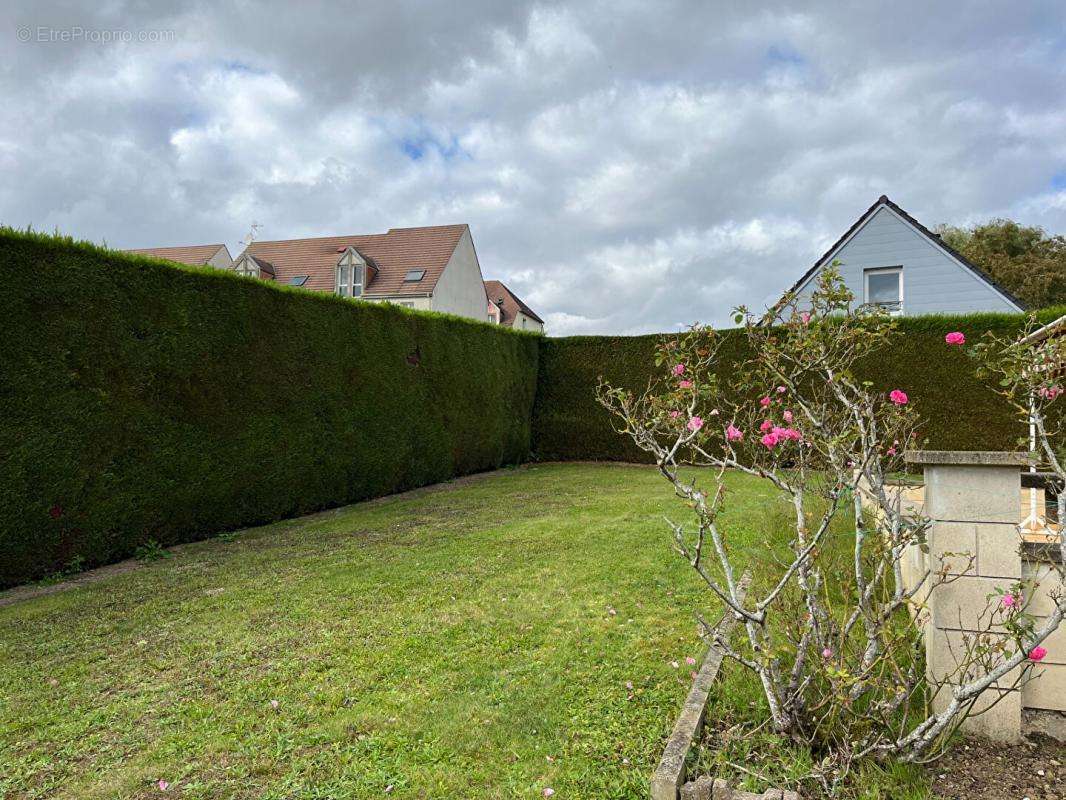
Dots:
{"x": 142, "y": 401}
{"x": 960, "y": 412}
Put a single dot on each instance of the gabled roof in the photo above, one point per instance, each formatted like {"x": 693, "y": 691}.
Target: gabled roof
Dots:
{"x": 196, "y": 255}
{"x": 883, "y": 201}
{"x": 263, "y": 264}
{"x": 508, "y": 302}
{"x": 393, "y": 254}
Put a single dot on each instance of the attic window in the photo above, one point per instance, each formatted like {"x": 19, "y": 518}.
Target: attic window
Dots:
{"x": 298, "y": 280}
{"x": 414, "y": 275}
{"x": 884, "y": 288}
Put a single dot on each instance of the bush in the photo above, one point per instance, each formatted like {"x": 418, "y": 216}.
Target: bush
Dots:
{"x": 959, "y": 411}
{"x": 148, "y": 402}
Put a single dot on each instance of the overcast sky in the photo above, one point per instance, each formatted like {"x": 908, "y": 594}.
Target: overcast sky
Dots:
{"x": 624, "y": 167}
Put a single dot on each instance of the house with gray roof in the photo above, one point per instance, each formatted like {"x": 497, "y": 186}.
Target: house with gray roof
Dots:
{"x": 888, "y": 258}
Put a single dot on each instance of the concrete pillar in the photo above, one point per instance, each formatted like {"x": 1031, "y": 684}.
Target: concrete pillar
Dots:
{"x": 971, "y": 498}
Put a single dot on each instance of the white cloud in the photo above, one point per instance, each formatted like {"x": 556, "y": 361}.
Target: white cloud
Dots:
{"x": 623, "y": 168}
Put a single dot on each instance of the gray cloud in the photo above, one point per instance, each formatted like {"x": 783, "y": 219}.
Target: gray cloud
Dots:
{"x": 625, "y": 167}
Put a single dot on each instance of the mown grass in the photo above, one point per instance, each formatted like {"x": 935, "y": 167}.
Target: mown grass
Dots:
{"x": 474, "y": 642}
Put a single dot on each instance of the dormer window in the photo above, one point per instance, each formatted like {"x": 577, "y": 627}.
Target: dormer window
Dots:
{"x": 247, "y": 267}
{"x": 351, "y": 274}
{"x": 251, "y": 267}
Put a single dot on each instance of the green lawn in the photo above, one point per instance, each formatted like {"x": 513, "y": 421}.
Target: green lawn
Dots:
{"x": 478, "y": 641}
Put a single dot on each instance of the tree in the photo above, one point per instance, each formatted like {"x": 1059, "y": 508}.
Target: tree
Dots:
{"x": 1026, "y": 261}
{"x": 832, "y": 629}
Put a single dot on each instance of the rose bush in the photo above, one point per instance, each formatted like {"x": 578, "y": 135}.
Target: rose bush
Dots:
{"x": 835, "y": 644}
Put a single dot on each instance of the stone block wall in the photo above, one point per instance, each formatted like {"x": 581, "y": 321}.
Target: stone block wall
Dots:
{"x": 971, "y": 499}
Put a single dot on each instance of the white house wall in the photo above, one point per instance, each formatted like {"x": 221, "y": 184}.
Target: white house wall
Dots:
{"x": 524, "y": 323}
{"x": 461, "y": 288}
{"x": 933, "y": 282}
{"x": 221, "y": 259}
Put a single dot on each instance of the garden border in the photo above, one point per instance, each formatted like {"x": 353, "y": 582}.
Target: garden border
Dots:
{"x": 669, "y": 776}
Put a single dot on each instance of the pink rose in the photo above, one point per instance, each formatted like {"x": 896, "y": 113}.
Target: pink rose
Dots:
{"x": 1049, "y": 392}
{"x": 163, "y": 786}
{"x": 733, "y": 433}
{"x": 785, "y": 434}
{"x": 690, "y": 660}
{"x": 827, "y": 653}
{"x": 787, "y": 415}
{"x": 769, "y": 441}
{"x": 766, "y": 425}
{"x": 1037, "y": 654}
{"x": 805, "y": 317}
{"x": 685, "y": 384}
{"x": 781, "y": 389}
{"x": 898, "y": 397}
{"x": 764, "y": 402}
{"x": 890, "y": 451}
{"x": 695, "y": 423}
{"x": 955, "y": 337}
{"x": 1009, "y": 601}
{"x": 675, "y": 414}
{"x": 679, "y": 369}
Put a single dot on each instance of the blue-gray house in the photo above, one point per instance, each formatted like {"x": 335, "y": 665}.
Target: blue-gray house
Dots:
{"x": 890, "y": 259}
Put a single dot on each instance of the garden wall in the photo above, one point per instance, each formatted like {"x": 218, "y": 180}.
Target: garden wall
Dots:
{"x": 972, "y": 502}
{"x": 142, "y": 401}
{"x": 960, "y": 411}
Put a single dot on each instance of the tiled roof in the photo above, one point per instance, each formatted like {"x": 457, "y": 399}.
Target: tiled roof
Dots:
{"x": 196, "y": 255}
{"x": 511, "y": 304}
{"x": 934, "y": 238}
{"x": 393, "y": 254}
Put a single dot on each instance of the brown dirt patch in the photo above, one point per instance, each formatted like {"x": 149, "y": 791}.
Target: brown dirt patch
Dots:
{"x": 981, "y": 770}
{"x": 30, "y": 590}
